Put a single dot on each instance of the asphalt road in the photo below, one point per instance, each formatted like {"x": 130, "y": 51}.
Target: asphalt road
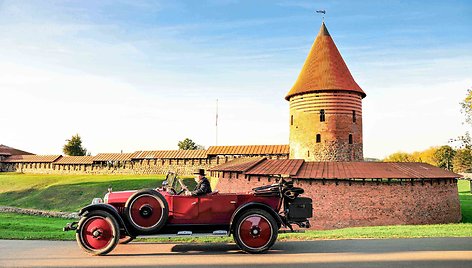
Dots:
{"x": 428, "y": 252}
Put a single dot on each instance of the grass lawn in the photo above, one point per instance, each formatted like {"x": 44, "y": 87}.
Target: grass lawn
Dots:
{"x": 15, "y": 226}
{"x": 71, "y": 192}
{"x": 465, "y": 198}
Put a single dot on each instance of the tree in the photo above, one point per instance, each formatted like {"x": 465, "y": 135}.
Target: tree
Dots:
{"x": 426, "y": 156}
{"x": 399, "y": 157}
{"x": 74, "y": 147}
{"x": 462, "y": 161}
{"x": 189, "y": 144}
{"x": 200, "y": 147}
{"x": 466, "y": 105}
{"x": 444, "y": 156}
{"x": 465, "y": 141}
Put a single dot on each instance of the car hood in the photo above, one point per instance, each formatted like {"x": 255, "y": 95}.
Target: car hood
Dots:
{"x": 118, "y": 197}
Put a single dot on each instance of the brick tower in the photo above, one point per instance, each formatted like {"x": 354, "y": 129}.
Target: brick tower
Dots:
{"x": 325, "y": 107}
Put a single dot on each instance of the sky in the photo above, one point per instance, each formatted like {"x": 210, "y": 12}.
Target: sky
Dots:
{"x": 143, "y": 75}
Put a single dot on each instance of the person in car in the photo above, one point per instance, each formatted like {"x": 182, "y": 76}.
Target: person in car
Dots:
{"x": 203, "y": 184}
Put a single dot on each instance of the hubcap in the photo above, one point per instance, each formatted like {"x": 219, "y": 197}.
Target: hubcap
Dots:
{"x": 97, "y": 233}
{"x": 145, "y": 211}
{"x": 255, "y": 231}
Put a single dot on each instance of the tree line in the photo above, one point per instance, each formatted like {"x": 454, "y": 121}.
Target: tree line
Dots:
{"x": 74, "y": 147}
{"x": 458, "y": 159}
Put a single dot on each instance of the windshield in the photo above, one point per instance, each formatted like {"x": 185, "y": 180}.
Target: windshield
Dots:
{"x": 171, "y": 179}
{"x": 173, "y": 182}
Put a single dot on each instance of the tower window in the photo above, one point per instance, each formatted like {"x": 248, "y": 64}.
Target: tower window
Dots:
{"x": 318, "y": 138}
{"x": 354, "y": 116}
{"x": 291, "y": 120}
{"x": 308, "y": 153}
{"x": 350, "y": 138}
{"x": 322, "y": 115}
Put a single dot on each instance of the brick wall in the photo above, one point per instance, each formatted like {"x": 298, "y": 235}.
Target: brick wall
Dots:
{"x": 334, "y": 132}
{"x": 342, "y": 203}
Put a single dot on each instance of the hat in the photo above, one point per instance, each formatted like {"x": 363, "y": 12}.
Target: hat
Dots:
{"x": 200, "y": 171}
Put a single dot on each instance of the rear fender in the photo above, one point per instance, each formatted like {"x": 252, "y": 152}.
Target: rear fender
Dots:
{"x": 108, "y": 208}
{"x": 252, "y": 205}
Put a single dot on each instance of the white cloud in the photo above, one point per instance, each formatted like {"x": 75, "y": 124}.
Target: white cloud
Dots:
{"x": 47, "y": 107}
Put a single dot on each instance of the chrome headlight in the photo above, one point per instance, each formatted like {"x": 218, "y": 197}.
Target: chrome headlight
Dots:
{"x": 105, "y": 198}
{"x": 97, "y": 201}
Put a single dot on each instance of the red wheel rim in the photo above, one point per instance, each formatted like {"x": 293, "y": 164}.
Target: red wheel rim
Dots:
{"x": 146, "y": 211}
{"x": 255, "y": 231}
{"x": 97, "y": 233}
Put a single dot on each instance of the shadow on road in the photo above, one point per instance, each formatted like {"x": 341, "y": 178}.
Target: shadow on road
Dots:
{"x": 321, "y": 246}
{"x": 184, "y": 249}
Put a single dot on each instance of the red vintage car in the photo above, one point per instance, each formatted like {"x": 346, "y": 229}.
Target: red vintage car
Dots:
{"x": 253, "y": 218}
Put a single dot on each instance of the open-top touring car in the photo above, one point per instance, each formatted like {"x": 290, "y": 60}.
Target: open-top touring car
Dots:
{"x": 253, "y": 218}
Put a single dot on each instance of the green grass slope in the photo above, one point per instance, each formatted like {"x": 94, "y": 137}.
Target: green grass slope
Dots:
{"x": 67, "y": 192}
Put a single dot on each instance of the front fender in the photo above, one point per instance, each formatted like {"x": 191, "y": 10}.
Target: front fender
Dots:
{"x": 108, "y": 208}
{"x": 250, "y": 205}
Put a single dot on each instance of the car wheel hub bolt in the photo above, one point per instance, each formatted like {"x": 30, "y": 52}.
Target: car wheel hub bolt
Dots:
{"x": 255, "y": 231}
{"x": 96, "y": 233}
{"x": 145, "y": 211}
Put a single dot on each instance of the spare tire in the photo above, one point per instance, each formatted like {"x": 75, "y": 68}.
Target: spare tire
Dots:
{"x": 147, "y": 211}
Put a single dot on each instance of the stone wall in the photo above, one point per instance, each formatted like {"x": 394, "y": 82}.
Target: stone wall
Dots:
{"x": 37, "y": 212}
{"x": 340, "y": 108}
{"x": 144, "y": 166}
{"x": 26, "y": 167}
{"x": 343, "y": 203}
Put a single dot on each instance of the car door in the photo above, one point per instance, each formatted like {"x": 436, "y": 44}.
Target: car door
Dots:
{"x": 217, "y": 208}
{"x": 184, "y": 209}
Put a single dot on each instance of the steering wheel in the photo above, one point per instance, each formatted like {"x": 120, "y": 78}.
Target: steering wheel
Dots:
{"x": 183, "y": 186}
{"x": 171, "y": 191}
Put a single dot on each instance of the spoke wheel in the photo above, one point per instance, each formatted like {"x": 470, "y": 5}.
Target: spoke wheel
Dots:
{"x": 98, "y": 233}
{"x": 255, "y": 231}
{"x": 146, "y": 211}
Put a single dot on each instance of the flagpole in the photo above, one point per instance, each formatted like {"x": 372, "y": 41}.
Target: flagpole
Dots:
{"x": 216, "y": 124}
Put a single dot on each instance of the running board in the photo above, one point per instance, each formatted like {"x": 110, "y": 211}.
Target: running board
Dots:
{"x": 217, "y": 233}
{"x": 290, "y": 231}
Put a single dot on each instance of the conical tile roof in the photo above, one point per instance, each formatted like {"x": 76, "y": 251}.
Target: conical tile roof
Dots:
{"x": 324, "y": 69}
